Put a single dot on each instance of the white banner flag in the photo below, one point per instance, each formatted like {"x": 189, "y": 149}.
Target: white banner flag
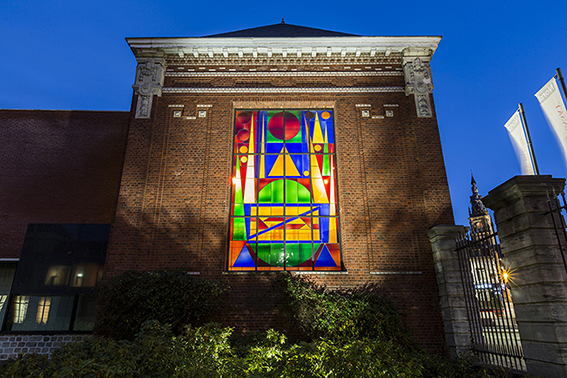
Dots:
{"x": 518, "y": 138}
{"x": 553, "y": 107}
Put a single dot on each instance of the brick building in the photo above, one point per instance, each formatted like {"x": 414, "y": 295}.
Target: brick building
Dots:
{"x": 267, "y": 149}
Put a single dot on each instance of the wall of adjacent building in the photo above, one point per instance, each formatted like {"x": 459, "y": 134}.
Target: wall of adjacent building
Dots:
{"x": 58, "y": 166}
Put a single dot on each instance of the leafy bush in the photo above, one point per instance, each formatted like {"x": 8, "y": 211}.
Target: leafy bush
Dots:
{"x": 206, "y": 352}
{"x": 170, "y": 296}
{"x": 155, "y": 352}
{"x": 350, "y": 333}
{"x": 343, "y": 314}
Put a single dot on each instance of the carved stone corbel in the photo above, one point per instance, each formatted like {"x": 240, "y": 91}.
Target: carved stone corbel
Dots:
{"x": 150, "y": 75}
{"x": 418, "y": 82}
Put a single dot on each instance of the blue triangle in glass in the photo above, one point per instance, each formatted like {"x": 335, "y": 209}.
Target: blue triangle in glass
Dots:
{"x": 244, "y": 259}
{"x": 325, "y": 259}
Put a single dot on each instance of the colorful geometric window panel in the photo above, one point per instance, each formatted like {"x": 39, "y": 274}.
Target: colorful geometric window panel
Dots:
{"x": 284, "y": 212}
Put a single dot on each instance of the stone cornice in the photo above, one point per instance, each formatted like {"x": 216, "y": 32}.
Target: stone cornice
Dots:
{"x": 156, "y": 55}
{"x": 279, "y": 60}
{"x": 284, "y": 90}
{"x": 292, "y": 48}
{"x": 283, "y": 74}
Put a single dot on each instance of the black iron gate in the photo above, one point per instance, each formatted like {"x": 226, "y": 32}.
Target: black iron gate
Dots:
{"x": 494, "y": 332}
{"x": 557, "y": 210}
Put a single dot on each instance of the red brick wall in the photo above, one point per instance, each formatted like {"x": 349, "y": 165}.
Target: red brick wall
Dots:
{"x": 173, "y": 205}
{"x": 57, "y": 167}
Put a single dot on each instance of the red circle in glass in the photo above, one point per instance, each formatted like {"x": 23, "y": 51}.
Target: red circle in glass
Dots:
{"x": 309, "y": 114}
{"x": 276, "y": 125}
{"x": 244, "y": 117}
{"x": 243, "y": 135}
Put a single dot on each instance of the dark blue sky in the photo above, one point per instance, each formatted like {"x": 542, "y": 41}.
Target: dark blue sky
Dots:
{"x": 494, "y": 54}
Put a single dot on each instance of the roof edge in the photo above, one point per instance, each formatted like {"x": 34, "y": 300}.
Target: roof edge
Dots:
{"x": 423, "y": 46}
{"x": 376, "y": 41}
{"x": 281, "y": 30}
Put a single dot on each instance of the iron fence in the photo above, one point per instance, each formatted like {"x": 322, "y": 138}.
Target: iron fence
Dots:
{"x": 557, "y": 210}
{"x": 495, "y": 339}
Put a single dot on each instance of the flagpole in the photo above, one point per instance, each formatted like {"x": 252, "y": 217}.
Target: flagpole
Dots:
{"x": 521, "y": 107}
{"x": 561, "y": 81}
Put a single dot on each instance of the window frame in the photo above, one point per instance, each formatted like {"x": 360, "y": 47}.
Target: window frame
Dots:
{"x": 87, "y": 248}
{"x": 315, "y": 245}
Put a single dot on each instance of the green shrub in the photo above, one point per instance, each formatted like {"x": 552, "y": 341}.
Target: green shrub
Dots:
{"x": 343, "y": 314}
{"x": 206, "y": 352}
{"x": 155, "y": 352}
{"x": 351, "y": 333}
{"x": 360, "y": 358}
{"x": 95, "y": 357}
{"x": 170, "y": 296}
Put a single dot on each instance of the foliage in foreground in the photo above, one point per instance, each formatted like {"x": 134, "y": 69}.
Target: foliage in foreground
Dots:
{"x": 170, "y": 296}
{"x": 342, "y": 314}
{"x": 344, "y": 333}
{"x": 207, "y": 352}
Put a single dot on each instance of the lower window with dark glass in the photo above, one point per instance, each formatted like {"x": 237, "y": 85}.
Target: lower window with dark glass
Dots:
{"x": 54, "y": 281}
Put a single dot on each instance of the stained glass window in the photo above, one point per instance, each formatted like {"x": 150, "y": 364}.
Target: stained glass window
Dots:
{"x": 284, "y": 213}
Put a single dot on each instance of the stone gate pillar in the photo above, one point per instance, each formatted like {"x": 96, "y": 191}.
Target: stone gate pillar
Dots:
{"x": 538, "y": 278}
{"x": 451, "y": 293}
